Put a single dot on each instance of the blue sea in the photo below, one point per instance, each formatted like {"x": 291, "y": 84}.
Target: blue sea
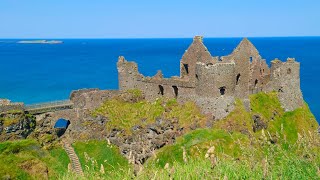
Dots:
{"x": 34, "y": 73}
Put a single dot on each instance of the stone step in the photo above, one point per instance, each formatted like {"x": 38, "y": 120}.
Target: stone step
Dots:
{"x": 76, "y": 165}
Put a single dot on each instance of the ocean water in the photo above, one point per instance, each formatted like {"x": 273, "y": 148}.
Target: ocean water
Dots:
{"x": 34, "y": 73}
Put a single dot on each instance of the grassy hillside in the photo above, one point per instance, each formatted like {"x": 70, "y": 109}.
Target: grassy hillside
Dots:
{"x": 99, "y": 159}
{"x": 288, "y": 148}
{"x": 26, "y": 160}
{"x": 265, "y": 143}
{"x": 124, "y": 115}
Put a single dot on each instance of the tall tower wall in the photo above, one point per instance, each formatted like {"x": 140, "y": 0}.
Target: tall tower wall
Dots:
{"x": 215, "y": 80}
{"x": 285, "y": 79}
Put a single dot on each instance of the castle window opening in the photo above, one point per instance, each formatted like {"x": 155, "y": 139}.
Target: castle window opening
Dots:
{"x": 289, "y": 71}
{"x": 237, "y": 79}
{"x": 222, "y": 90}
{"x": 250, "y": 58}
{"x": 256, "y": 82}
{"x": 175, "y": 90}
{"x": 281, "y": 89}
{"x": 161, "y": 90}
{"x": 186, "y": 68}
{"x": 197, "y": 76}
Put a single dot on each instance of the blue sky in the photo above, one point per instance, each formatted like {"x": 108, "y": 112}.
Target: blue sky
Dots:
{"x": 158, "y": 19}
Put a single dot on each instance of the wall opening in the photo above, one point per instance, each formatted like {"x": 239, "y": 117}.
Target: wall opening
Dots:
{"x": 175, "y": 90}
{"x": 186, "y": 68}
{"x": 161, "y": 90}
{"x": 209, "y": 64}
{"x": 256, "y": 82}
{"x": 222, "y": 90}
{"x": 289, "y": 71}
{"x": 281, "y": 89}
{"x": 251, "y": 58}
{"x": 237, "y": 79}
{"x": 197, "y": 76}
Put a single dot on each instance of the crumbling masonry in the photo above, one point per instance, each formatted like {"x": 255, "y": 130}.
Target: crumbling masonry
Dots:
{"x": 215, "y": 82}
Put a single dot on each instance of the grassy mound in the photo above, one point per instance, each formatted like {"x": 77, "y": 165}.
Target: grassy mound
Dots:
{"x": 99, "y": 159}
{"x": 26, "y": 160}
{"x": 289, "y": 146}
{"x": 196, "y": 144}
{"x": 124, "y": 115}
{"x": 235, "y": 156}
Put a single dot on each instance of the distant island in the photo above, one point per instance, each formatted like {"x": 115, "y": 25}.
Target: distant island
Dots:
{"x": 40, "y": 42}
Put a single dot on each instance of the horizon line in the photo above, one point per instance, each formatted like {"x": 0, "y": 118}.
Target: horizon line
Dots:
{"x": 205, "y": 37}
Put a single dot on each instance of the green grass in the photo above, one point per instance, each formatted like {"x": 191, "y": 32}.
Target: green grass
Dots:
{"x": 266, "y": 104}
{"x": 25, "y": 159}
{"x": 289, "y": 168}
{"x": 136, "y": 93}
{"x": 197, "y": 143}
{"x": 255, "y": 159}
{"x": 239, "y": 120}
{"x": 6, "y": 121}
{"x": 60, "y": 159}
{"x": 94, "y": 154}
{"x": 124, "y": 115}
{"x": 288, "y": 123}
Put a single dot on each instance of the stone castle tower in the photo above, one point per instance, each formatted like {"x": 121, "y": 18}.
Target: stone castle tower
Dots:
{"x": 215, "y": 82}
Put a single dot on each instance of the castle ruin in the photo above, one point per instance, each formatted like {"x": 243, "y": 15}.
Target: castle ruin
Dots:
{"x": 214, "y": 83}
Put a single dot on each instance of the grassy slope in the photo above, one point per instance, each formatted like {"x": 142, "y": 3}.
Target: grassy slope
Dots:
{"x": 125, "y": 115}
{"x": 94, "y": 154}
{"x": 26, "y": 160}
{"x": 288, "y": 124}
{"x": 241, "y": 153}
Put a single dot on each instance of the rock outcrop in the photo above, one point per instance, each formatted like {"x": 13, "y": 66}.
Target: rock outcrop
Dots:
{"x": 16, "y": 125}
{"x": 141, "y": 145}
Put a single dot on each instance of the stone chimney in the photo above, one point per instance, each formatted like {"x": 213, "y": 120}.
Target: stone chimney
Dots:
{"x": 198, "y": 39}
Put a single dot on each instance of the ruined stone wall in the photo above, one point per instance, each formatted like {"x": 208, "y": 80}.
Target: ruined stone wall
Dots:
{"x": 11, "y": 107}
{"x": 260, "y": 75}
{"x": 285, "y": 79}
{"x": 196, "y": 52}
{"x": 91, "y": 98}
{"x": 174, "y": 87}
{"x": 215, "y": 80}
{"x": 129, "y": 76}
{"x": 242, "y": 56}
{"x": 218, "y": 107}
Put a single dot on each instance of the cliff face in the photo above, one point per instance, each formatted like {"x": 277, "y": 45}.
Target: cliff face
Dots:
{"x": 16, "y": 125}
